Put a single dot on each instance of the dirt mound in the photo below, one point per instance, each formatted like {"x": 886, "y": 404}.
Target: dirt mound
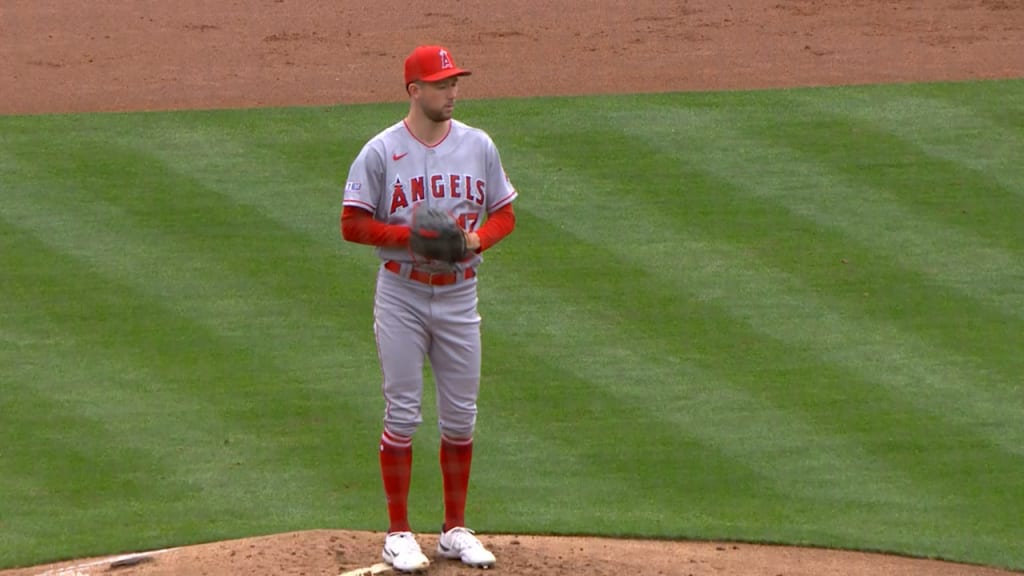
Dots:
{"x": 333, "y": 552}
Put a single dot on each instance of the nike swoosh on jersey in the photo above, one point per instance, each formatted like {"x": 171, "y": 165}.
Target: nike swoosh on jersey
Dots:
{"x": 397, "y": 157}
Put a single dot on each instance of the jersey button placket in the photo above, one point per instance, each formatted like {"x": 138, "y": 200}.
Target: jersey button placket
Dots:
{"x": 429, "y": 169}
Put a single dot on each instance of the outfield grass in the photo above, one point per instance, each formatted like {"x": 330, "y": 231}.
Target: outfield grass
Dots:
{"x": 788, "y": 316}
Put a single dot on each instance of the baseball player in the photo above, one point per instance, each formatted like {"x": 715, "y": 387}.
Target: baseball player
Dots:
{"x": 423, "y": 307}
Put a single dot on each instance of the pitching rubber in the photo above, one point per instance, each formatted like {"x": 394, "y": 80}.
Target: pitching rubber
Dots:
{"x": 378, "y": 568}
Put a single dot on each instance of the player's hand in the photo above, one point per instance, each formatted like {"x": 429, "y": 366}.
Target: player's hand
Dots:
{"x": 472, "y": 241}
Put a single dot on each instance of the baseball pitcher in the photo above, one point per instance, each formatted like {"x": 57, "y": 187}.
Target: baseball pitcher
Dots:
{"x": 431, "y": 194}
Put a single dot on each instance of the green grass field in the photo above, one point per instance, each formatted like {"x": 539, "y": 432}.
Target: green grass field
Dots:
{"x": 787, "y": 316}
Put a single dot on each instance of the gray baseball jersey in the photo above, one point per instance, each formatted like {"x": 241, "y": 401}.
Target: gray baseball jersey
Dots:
{"x": 462, "y": 175}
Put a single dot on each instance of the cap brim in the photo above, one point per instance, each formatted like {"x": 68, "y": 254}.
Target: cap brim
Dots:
{"x": 443, "y": 74}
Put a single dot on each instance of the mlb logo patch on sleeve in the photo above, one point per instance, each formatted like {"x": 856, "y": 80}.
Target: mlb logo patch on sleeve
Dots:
{"x": 353, "y": 186}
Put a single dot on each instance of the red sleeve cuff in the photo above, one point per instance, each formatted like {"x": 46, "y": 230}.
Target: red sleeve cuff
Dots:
{"x": 359, "y": 226}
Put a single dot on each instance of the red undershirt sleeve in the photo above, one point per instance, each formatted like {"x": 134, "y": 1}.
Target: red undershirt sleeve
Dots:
{"x": 358, "y": 225}
{"x": 499, "y": 224}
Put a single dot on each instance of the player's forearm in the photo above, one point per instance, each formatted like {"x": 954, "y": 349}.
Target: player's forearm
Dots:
{"x": 498, "y": 225}
{"x": 358, "y": 225}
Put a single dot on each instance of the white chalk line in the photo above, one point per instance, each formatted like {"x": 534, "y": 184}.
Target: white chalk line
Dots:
{"x": 83, "y": 569}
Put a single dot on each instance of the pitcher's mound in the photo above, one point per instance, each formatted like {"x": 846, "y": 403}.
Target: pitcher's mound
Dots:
{"x": 332, "y": 552}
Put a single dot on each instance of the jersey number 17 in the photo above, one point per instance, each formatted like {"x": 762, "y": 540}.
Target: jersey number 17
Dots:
{"x": 468, "y": 221}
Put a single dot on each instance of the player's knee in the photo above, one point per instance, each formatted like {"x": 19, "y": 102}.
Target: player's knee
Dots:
{"x": 401, "y": 427}
{"x": 459, "y": 428}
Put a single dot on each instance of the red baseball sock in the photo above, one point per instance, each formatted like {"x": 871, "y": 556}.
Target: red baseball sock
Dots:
{"x": 456, "y": 456}
{"x": 396, "y": 471}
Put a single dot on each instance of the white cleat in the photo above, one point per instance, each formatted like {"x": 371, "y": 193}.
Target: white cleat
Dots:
{"x": 460, "y": 543}
{"x": 403, "y": 554}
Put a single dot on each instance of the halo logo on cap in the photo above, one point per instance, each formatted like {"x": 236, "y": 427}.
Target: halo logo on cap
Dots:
{"x": 431, "y": 64}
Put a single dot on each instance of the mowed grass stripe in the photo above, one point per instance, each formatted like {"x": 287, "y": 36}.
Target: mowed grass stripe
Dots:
{"x": 1001, "y": 103}
{"x": 797, "y": 465}
{"x": 970, "y": 131}
{"x": 696, "y": 426}
{"x": 222, "y": 264}
{"x": 876, "y": 281}
{"x": 289, "y": 167}
{"x": 561, "y": 472}
{"x": 798, "y": 168}
{"x": 778, "y": 294}
{"x": 734, "y": 270}
{"x": 68, "y": 375}
{"x": 952, "y": 287}
{"x": 278, "y": 402}
{"x": 819, "y": 339}
{"x": 131, "y": 250}
{"x": 578, "y": 362}
{"x": 651, "y": 346}
{"x": 725, "y": 272}
{"x": 941, "y": 214}
{"x": 715, "y": 212}
{"x": 174, "y": 408}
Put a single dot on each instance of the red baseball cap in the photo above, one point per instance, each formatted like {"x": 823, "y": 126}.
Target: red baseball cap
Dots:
{"x": 431, "y": 64}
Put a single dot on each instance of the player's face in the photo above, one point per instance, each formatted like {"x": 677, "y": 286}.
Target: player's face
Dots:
{"x": 437, "y": 99}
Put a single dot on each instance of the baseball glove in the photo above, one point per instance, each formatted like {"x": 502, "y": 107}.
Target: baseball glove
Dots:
{"x": 436, "y": 235}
